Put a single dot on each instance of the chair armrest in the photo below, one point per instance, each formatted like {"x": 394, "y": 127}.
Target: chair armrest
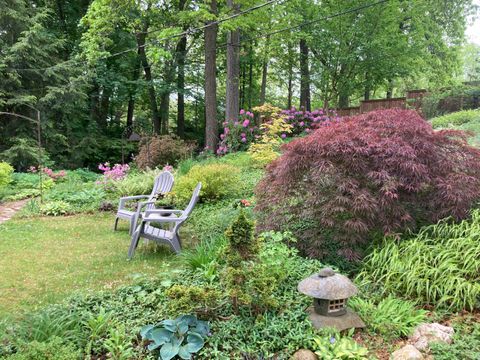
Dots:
{"x": 162, "y": 211}
{"x": 124, "y": 199}
{"x": 162, "y": 219}
{"x": 141, "y": 204}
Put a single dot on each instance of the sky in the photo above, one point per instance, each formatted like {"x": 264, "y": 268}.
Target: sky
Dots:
{"x": 473, "y": 30}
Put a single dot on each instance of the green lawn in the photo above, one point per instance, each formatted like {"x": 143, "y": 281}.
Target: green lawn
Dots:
{"x": 42, "y": 260}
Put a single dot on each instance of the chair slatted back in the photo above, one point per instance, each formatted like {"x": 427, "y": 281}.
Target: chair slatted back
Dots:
{"x": 163, "y": 184}
{"x": 193, "y": 200}
{"x": 190, "y": 206}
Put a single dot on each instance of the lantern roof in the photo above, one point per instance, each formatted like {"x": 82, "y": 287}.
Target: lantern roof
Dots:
{"x": 328, "y": 285}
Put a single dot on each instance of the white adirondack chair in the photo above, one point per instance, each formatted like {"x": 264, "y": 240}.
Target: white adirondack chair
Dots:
{"x": 169, "y": 237}
{"x": 163, "y": 184}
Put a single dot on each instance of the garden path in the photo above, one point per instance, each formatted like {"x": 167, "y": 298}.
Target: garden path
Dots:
{"x": 7, "y": 210}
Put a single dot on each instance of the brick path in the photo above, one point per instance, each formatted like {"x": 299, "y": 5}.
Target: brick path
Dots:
{"x": 7, "y": 210}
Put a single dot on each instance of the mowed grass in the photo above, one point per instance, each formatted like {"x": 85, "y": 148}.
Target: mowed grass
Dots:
{"x": 43, "y": 260}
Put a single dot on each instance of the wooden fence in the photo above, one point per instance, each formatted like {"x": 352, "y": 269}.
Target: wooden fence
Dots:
{"x": 413, "y": 99}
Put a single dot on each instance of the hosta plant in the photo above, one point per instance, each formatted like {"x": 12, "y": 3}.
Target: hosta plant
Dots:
{"x": 181, "y": 337}
{"x": 55, "y": 208}
{"x": 383, "y": 172}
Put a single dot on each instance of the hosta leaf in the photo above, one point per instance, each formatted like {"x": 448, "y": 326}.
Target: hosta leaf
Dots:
{"x": 202, "y": 328}
{"x": 189, "y": 319}
{"x": 161, "y": 336}
{"x": 170, "y": 325}
{"x": 184, "y": 353}
{"x": 177, "y": 340}
{"x": 182, "y": 327}
{"x": 145, "y": 330}
{"x": 194, "y": 342}
{"x": 153, "y": 346}
{"x": 169, "y": 351}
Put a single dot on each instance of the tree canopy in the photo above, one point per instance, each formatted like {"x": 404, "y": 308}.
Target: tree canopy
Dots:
{"x": 98, "y": 70}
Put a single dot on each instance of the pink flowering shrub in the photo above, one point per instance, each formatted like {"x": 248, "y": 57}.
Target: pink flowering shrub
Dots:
{"x": 238, "y": 135}
{"x": 112, "y": 174}
{"x": 49, "y": 172}
{"x": 117, "y": 172}
{"x": 168, "y": 168}
{"x": 304, "y": 122}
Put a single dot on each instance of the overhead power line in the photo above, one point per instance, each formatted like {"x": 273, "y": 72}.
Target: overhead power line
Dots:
{"x": 171, "y": 37}
{"x": 346, "y": 12}
{"x": 193, "y": 31}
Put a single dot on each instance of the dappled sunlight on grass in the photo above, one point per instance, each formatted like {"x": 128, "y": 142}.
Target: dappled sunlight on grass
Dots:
{"x": 43, "y": 260}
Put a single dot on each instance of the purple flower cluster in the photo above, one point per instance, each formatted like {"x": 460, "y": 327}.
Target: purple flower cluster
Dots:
{"x": 238, "y": 135}
{"x": 304, "y": 122}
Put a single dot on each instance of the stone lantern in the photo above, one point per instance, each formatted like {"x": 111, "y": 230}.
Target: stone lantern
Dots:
{"x": 330, "y": 292}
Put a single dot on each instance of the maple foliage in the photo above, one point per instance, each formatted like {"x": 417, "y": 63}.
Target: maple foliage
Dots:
{"x": 378, "y": 173}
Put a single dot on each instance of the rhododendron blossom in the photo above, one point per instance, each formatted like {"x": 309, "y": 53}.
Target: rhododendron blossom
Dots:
{"x": 304, "y": 122}
{"x": 238, "y": 135}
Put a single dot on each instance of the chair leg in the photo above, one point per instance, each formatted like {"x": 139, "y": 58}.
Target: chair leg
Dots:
{"x": 134, "y": 243}
{"x": 132, "y": 226}
{"x": 116, "y": 223}
{"x": 176, "y": 244}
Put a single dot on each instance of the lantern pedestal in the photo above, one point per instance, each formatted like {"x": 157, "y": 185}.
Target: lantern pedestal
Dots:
{"x": 347, "y": 321}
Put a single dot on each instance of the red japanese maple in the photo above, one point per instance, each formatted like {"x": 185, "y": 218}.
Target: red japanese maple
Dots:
{"x": 378, "y": 173}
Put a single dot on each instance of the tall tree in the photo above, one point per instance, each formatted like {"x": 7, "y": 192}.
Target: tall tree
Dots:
{"x": 232, "y": 101}
{"x": 211, "y": 126}
{"x": 152, "y": 94}
{"x": 263, "y": 86}
{"x": 304, "y": 76}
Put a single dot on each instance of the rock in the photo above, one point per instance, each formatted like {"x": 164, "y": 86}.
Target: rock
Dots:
{"x": 304, "y": 354}
{"x": 424, "y": 334}
{"x": 408, "y": 352}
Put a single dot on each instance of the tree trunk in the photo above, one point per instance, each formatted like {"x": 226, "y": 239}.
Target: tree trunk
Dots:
{"x": 95, "y": 102}
{"x": 104, "y": 109}
{"x": 130, "y": 111}
{"x": 164, "y": 111}
{"x": 181, "y": 52}
{"x": 250, "y": 82}
{"x": 263, "y": 86}
{"x": 148, "y": 77}
{"x": 243, "y": 81}
{"x": 304, "y": 76}
{"x": 290, "y": 85}
{"x": 211, "y": 126}
{"x": 343, "y": 100}
{"x": 366, "y": 95}
{"x": 390, "y": 89}
{"x": 232, "y": 105}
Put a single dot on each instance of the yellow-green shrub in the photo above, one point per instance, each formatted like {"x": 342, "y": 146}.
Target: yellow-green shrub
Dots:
{"x": 6, "y": 171}
{"x": 218, "y": 181}
{"x": 456, "y": 119}
{"x": 267, "y": 148}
